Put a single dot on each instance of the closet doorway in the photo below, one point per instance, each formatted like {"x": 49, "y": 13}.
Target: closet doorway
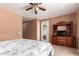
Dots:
{"x": 45, "y": 30}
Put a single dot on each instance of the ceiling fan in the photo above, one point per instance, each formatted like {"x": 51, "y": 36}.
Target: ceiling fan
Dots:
{"x": 35, "y": 7}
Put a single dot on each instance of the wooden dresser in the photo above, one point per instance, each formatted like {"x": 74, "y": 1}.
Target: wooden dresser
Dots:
{"x": 63, "y": 34}
{"x": 63, "y": 40}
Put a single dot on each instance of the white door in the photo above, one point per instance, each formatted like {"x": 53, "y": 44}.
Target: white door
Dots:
{"x": 45, "y": 30}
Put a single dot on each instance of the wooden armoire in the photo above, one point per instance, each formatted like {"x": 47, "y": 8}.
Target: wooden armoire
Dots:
{"x": 63, "y": 34}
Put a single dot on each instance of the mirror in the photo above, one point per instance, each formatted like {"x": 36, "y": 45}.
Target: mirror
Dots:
{"x": 61, "y": 28}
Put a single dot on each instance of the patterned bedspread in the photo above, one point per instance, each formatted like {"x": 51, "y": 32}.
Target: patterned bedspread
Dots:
{"x": 25, "y": 47}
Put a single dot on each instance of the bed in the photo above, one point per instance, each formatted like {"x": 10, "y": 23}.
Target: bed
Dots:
{"x": 25, "y": 47}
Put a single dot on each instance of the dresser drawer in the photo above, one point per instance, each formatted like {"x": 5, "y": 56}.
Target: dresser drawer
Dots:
{"x": 61, "y": 40}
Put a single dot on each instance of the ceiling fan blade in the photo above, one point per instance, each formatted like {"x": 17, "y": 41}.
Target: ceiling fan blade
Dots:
{"x": 28, "y": 8}
{"x": 39, "y": 3}
{"x": 31, "y": 3}
{"x": 42, "y": 9}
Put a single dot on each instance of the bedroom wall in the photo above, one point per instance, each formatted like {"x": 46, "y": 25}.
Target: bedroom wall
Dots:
{"x": 31, "y": 30}
{"x": 54, "y": 20}
{"x": 10, "y": 25}
{"x": 77, "y": 31}
{"x": 38, "y": 30}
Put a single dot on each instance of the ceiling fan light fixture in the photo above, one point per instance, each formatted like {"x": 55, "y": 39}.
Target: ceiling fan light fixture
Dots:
{"x": 35, "y": 7}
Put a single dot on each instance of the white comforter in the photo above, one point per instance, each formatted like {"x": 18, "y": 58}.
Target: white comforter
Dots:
{"x": 25, "y": 47}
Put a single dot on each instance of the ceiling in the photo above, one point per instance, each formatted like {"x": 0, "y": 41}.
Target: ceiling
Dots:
{"x": 52, "y": 9}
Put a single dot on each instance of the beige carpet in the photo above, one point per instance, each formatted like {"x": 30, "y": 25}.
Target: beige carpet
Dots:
{"x": 64, "y": 51}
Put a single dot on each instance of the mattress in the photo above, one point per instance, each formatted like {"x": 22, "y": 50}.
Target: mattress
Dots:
{"x": 25, "y": 47}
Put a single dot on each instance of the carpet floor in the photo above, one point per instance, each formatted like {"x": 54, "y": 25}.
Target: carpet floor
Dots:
{"x": 64, "y": 51}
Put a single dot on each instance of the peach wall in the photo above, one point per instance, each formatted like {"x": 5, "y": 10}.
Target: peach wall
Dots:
{"x": 54, "y": 20}
{"x": 77, "y": 31}
{"x": 10, "y": 25}
{"x": 38, "y": 30}
{"x": 31, "y": 30}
